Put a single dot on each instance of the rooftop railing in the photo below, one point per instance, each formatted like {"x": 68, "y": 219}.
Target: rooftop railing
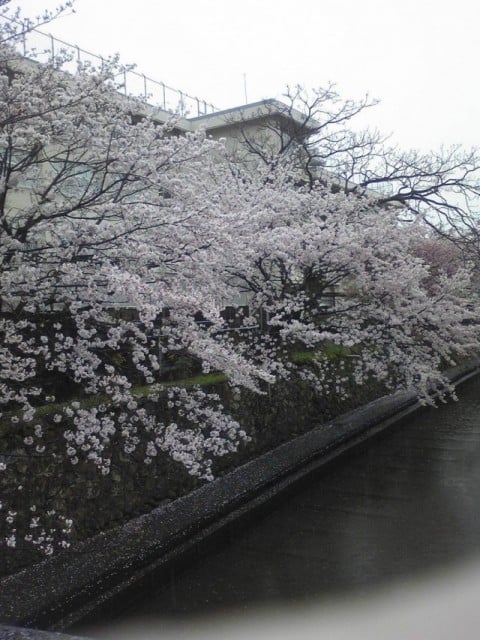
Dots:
{"x": 44, "y": 47}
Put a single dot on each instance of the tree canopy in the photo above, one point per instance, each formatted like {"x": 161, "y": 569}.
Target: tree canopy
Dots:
{"x": 116, "y": 236}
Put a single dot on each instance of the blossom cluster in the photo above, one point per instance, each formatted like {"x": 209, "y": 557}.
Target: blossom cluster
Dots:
{"x": 44, "y": 531}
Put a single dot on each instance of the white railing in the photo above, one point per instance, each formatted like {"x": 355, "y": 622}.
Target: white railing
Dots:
{"x": 46, "y": 48}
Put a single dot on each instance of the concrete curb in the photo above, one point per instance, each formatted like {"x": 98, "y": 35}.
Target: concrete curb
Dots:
{"x": 16, "y": 633}
{"x": 62, "y": 590}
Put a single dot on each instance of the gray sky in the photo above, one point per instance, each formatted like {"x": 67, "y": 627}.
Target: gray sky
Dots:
{"x": 419, "y": 57}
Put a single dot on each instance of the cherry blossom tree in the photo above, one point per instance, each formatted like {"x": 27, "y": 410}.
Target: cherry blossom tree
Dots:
{"x": 442, "y": 256}
{"x": 115, "y": 234}
{"x": 330, "y": 267}
{"x": 109, "y": 234}
{"x": 317, "y": 133}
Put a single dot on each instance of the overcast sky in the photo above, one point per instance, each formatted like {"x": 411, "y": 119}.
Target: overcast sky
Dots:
{"x": 419, "y": 57}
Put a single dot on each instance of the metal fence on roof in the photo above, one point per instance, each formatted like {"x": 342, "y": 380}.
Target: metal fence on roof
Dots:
{"x": 44, "y": 47}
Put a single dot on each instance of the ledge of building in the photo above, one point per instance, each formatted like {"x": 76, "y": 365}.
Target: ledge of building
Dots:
{"x": 64, "y": 589}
